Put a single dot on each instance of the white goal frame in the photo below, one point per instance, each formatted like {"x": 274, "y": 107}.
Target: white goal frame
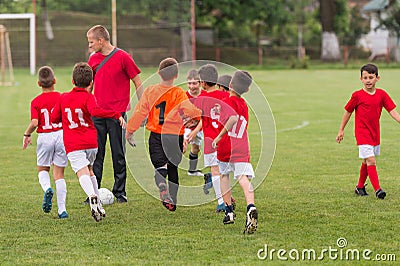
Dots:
{"x": 32, "y": 36}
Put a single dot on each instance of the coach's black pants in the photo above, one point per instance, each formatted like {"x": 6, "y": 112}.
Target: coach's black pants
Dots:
{"x": 111, "y": 127}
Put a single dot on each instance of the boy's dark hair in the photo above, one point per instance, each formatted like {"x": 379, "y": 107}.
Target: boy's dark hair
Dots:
{"x": 98, "y": 32}
{"x": 46, "y": 77}
{"x": 193, "y": 74}
{"x": 168, "y": 68}
{"x": 241, "y": 81}
{"x": 224, "y": 81}
{"x": 370, "y": 68}
{"x": 82, "y": 75}
{"x": 209, "y": 74}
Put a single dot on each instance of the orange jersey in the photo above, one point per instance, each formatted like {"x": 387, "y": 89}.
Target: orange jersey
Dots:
{"x": 164, "y": 107}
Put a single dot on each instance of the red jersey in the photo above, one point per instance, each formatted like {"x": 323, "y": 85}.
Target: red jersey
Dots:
{"x": 191, "y": 98}
{"x": 368, "y": 109}
{"x": 41, "y": 108}
{"x": 113, "y": 81}
{"x": 234, "y": 146}
{"x": 210, "y": 105}
{"x": 75, "y": 110}
{"x": 164, "y": 107}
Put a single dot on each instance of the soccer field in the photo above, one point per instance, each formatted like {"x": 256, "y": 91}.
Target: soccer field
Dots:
{"x": 308, "y": 211}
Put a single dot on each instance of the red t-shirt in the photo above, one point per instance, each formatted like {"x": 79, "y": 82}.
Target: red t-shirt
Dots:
{"x": 368, "y": 109}
{"x": 41, "y": 108}
{"x": 112, "y": 82}
{"x": 234, "y": 146}
{"x": 210, "y": 105}
{"x": 75, "y": 110}
{"x": 191, "y": 98}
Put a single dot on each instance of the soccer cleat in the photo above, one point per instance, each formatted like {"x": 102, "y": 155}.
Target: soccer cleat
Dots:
{"x": 63, "y": 215}
{"x": 229, "y": 218}
{"x": 94, "y": 208}
{"x": 380, "y": 194}
{"x": 47, "y": 200}
{"x": 361, "y": 191}
{"x": 86, "y": 201}
{"x": 195, "y": 173}
{"x": 207, "y": 183}
{"x": 251, "y": 221}
{"x": 101, "y": 209}
{"x": 220, "y": 208}
{"x": 122, "y": 199}
{"x": 166, "y": 198}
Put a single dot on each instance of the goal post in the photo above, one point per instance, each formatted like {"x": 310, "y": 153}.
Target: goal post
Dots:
{"x": 6, "y": 67}
{"x": 32, "y": 36}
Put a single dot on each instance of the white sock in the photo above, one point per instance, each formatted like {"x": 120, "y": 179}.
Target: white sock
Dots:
{"x": 44, "y": 180}
{"x": 216, "y": 181}
{"x": 87, "y": 185}
{"x": 61, "y": 191}
{"x": 95, "y": 186}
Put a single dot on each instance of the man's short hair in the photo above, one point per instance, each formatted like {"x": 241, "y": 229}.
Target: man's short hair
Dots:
{"x": 370, "y": 68}
{"x": 82, "y": 75}
{"x": 98, "y": 32}
{"x": 46, "y": 76}
{"x": 241, "y": 81}
{"x": 209, "y": 74}
{"x": 168, "y": 68}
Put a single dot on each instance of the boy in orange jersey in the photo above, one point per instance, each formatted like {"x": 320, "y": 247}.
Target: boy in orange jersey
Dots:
{"x": 164, "y": 105}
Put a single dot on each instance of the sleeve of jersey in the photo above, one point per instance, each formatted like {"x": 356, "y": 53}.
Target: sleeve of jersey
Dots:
{"x": 34, "y": 112}
{"x": 55, "y": 116}
{"x": 188, "y": 108}
{"x": 95, "y": 110}
{"x": 131, "y": 67}
{"x": 140, "y": 112}
{"x": 388, "y": 103}
{"x": 351, "y": 104}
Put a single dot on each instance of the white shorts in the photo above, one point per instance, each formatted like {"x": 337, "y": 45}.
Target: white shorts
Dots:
{"x": 366, "y": 151}
{"x": 50, "y": 149}
{"x": 210, "y": 159}
{"x": 197, "y": 140}
{"x": 238, "y": 169}
{"x": 82, "y": 158}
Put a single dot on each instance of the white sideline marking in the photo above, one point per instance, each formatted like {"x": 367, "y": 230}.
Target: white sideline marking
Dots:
{"x": 303, "y": 124}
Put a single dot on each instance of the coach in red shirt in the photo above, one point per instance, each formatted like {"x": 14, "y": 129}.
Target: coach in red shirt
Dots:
{"x": 113, "y": 70}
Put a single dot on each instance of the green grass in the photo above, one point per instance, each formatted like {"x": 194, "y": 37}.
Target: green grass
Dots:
{"x": 305, "y": 202}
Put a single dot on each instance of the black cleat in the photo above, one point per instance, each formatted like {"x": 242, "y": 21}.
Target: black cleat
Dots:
{"x": 361, "y": 191}
{"x": 380, "y": 194}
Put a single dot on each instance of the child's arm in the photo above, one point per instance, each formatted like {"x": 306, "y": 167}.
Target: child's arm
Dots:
{"x": 27, "y": 140}
{"x": 228, "y": 126}
{"x": 395, "y": 115}
{"x": 345, "y": 119}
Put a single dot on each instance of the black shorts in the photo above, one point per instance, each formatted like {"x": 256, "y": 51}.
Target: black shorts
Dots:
{"x": 165, "y": 148}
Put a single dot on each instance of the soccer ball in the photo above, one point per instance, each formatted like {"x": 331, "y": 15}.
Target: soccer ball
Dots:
{"x": 106, "y": 196}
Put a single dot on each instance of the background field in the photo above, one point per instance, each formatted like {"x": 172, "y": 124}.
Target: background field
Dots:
{"x": 305, "y": 202}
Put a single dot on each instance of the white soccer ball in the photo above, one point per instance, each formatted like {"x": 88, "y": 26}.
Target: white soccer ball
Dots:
{"x": 106, "y": 196}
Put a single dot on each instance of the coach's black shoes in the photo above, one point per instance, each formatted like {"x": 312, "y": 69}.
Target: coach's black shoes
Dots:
{"x": 122, "y": 199}
{"x": 380, "y": 194}
{"x": 360, "y": 191}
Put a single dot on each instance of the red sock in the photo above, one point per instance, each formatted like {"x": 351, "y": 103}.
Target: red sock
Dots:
{"x": 373, "y": 176}
{"x": 363, "y": 175}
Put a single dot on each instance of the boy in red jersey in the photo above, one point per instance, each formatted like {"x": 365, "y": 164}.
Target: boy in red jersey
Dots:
{"x": 192, "y": 93}
{"x": 164, "y": 104}
{"x": 50, "y": 147}
{"x": 233, "y": 150}
{"x": 210, "y": 105}
{"x": 75, "y": 110}
{"x": 367, "y": 104}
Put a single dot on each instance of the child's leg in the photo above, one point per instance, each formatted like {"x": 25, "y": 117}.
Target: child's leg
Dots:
{"x": 226, "y": 189}
{"x": 363, "y": 175}
{"x": 372, "y": 172}
{"x": 85, "y": 181}
{"x": 216, "y": 180}
{"x": 173, "y": 182}
{"x": 247, "y": 188}
{"x": 193, "y": 157}
{"x": 61, "y": 188}
{"x": 44, "y": 177}
{"x": 94, "y": 180}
